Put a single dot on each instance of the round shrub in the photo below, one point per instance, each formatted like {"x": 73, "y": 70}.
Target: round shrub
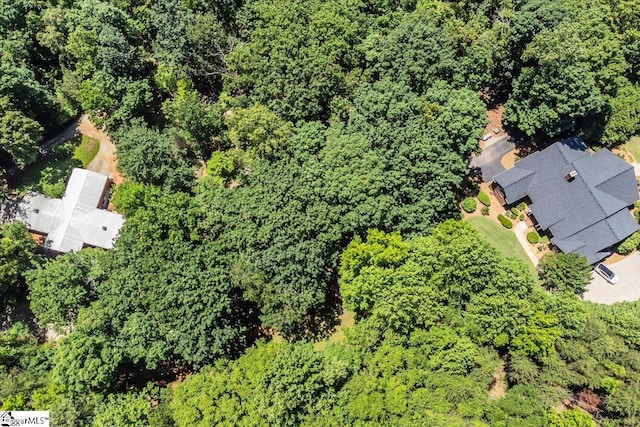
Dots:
{"x": 484, "y": 198}
{"x": 522, "y": 206}
{"x": 485, "y": 210}
{"x": 533, "y": 237}
{"x": 521, "y": 217}
{"x": 506, "y": 222}
{"x": 469, "y": 205}
{"x": 515, "y": 211}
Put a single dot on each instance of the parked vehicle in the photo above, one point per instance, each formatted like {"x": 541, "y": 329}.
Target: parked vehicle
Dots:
{"x": 606, "y": 273}
{"x": 487, "y": 137}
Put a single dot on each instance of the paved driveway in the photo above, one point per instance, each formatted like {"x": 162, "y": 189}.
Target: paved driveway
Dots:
{"x": 489, "y": 160}
{"x": 627, "y": 288}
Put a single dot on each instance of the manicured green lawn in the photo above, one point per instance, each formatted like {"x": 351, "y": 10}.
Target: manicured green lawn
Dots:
{"x": 87, "y": 150}
{"x": 501, "y": 239}
{"x": 634, "y": 147}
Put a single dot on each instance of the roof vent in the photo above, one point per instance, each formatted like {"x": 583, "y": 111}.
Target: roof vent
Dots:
{"x": 104, "y": 228}
{"x": 36, "y": 210}
{"x": 571, "y": 175}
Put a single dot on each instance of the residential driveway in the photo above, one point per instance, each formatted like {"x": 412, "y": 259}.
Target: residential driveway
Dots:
{"x": 627, "y": 288}
{"x": 489, "y": 160}
{"x": 105, "y": 161}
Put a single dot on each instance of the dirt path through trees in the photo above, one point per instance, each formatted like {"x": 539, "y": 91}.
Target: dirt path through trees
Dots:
{"x": 105, "y": 161}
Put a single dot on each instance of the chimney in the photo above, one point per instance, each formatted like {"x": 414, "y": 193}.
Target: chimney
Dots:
{"x": 571, "y": 175}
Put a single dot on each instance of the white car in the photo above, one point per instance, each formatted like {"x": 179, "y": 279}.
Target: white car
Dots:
{"x": 606, "y": 273}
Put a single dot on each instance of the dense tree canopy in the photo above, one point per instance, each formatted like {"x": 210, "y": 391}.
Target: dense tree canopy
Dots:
{"x": 17, "y": 252}
{"x": 440, "y": 368}
{"x": 286, "y": 160}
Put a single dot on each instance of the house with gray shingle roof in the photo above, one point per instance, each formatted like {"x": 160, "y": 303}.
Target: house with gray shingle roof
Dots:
{"x": 580, "y": 199}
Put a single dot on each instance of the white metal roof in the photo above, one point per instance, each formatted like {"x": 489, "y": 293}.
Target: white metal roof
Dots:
{"x": 76, "y": 219}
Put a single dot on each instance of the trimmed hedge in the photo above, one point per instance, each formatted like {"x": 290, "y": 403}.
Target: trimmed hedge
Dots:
{"x": 632, "y": 242}
{"x": 515, "y": 211}
{"x": 484, "y": 198}
{"x": 533, "y": 237}
{"x": 510, "y": 215}
{"x": 521, "y": 217}
{"x": 506, "y": 222}
{"x": 469, "y": 205}
{"x": 521, "y": 206}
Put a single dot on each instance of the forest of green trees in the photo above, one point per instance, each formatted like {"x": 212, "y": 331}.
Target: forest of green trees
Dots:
{"x": 334, "y": 136}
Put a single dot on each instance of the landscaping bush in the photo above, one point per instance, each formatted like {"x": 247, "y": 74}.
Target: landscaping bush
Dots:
{"x": 630, "y": 244}
{"x": 522, "y": 206}
{"x": 506, "y": 222}
{"x": 515, "y": 211}
{"x": 469, "y": 205}
{"x": 485, "y": 210}
{"x": 484, "y": 198}
{"x": 521, "y": 217}
{"x": 511, "y": 215}
{"x": 533, "y": 237}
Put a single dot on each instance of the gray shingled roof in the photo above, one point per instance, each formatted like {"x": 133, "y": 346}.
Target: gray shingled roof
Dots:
{"x": 585, "y": 215}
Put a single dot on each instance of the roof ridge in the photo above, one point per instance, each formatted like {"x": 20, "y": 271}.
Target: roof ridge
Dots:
{"x": 591, "y": 189}
{"x": 612, "y": 229}
{"x": 595, "y": 186}
{"x": 607, "y": 193}
{"x": 526, "y": 175}
{"x": 613, "y": 176}
{"x": 573, "y": 138}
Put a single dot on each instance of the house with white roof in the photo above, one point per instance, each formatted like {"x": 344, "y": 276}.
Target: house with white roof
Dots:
{"x": 78, "y": 219}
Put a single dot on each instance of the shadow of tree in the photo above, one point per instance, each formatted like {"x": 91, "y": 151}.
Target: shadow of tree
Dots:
{"x": 20, "y": 312}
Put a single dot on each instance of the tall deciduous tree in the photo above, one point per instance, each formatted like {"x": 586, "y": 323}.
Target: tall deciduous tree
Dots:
{"x": 16, "y": 257}
{"x": 60, "y": 287}
{"x": 149, "y": 156}
{"x": 297, "y": 54}
{"x": 20, "y": 136}
{"x": 570, "y": 72}
{"x": 565, "y": 272}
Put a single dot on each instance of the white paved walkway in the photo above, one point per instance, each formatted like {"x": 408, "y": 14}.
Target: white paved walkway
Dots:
{"x": 636, "y": 166}
{"x": 521, "y": 233}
